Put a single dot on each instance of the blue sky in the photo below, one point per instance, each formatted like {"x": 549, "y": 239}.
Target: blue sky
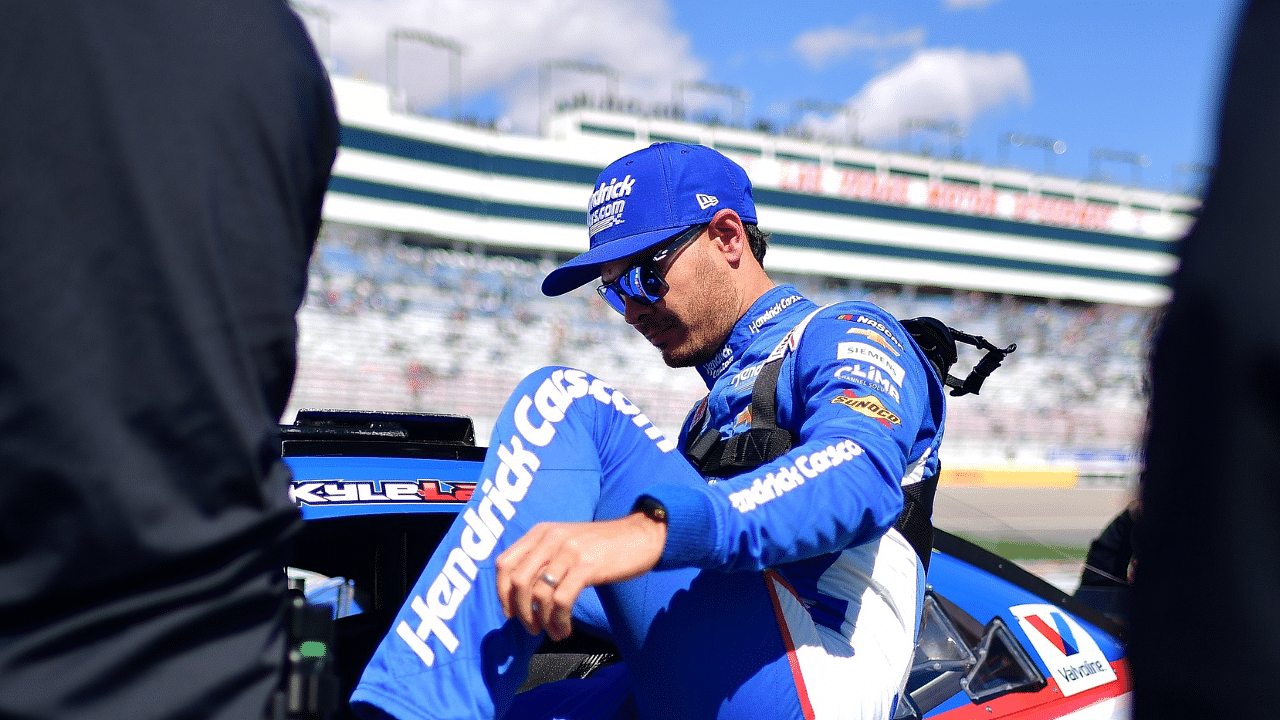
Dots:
{"x": 1138, "y": 77}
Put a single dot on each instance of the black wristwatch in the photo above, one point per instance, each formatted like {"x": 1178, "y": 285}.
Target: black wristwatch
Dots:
{"x": 652, "y": 508}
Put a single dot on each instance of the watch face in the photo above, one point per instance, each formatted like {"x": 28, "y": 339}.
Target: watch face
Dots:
{"x": 652, "y": 509}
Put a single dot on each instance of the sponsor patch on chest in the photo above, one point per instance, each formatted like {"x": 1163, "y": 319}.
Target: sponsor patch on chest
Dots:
{"x": 868, "y": 405}
{"x": 870, "y": 376}
{"x": 875, "y": 356}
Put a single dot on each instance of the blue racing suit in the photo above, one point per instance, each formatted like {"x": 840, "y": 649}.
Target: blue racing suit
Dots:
{"x": 783, "y": 592}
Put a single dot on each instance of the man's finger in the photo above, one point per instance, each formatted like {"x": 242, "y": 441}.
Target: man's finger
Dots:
{"x": 534, "y": 594}
{"x": 527, "y": 591}
{"x": 509, "y": 565}
{"x": 570, "y": 581}
{"x": 544, "y": 599}
{"x": 558, "y": 621}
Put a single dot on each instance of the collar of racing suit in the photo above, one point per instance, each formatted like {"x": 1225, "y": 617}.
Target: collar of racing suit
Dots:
{"x": 767, "y": 310}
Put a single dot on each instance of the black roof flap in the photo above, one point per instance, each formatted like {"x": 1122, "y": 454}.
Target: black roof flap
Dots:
{"x": 394, "y": 426}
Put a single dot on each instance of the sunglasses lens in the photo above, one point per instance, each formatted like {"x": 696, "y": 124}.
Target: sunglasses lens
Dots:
{"x": 611, "y": 296}
{"x": 652, "y": 286}
{"x": 641, "y": 284}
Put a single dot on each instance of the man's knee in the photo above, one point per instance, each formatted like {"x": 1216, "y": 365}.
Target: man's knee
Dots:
{"x": 541, "y": 401}
{"x": 546, "y": 396}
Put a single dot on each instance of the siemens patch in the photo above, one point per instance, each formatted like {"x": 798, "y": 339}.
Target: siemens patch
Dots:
{"x": 866, "y": 353}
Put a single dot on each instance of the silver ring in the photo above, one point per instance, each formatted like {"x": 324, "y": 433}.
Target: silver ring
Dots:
{"x": 546, "y": 578}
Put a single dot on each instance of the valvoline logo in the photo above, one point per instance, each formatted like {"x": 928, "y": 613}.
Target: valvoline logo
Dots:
{"x": 1072, "y": 656}
{"x": 1060, "y": 634}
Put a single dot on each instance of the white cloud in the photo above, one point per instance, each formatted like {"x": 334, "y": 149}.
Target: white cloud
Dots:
{"x": 507, "y": 41}
{"x": 945, "y": 85}
{"x": 820, "y": 47}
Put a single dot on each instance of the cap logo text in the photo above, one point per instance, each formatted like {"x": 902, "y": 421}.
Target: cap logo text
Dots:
{"x": 607, "y": 203}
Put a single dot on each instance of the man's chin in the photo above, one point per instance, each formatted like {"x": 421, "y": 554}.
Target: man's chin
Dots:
{"x": 679, "y": 348}
{"x": 681, "y": 357}
{"x": 675, "y": 361}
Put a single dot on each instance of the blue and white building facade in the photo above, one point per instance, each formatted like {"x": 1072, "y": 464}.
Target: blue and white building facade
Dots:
{"x": 834, "y": 210}
{"x": 424, "y": 291}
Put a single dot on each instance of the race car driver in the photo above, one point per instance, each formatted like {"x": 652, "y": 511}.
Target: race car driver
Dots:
{"x": 780, "y": 592}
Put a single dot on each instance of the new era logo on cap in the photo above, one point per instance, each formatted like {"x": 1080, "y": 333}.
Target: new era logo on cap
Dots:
{"x": 706, "y": 201}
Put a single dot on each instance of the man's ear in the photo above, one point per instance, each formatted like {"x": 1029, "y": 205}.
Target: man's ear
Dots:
{"x": 728, "y": 235}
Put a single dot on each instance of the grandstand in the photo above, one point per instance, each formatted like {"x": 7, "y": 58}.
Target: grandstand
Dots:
{"x": 424, "y": 287}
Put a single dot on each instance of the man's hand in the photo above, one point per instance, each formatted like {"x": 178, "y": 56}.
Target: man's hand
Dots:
{"x": 542, "y": 574}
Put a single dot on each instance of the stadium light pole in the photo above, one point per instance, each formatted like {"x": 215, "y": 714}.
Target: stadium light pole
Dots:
{"x": 1136, "y": 160}
{"x": 322, "y": 35}
{"x": 454, "y": 48}
{"x": 1051, "y": 147}
{"x": 737, "y": 97}
{"x": 544, "y": 77}
{"x": 849, "y": 114}
{"x": 951, "y": 129}
{"x": 1204, "y": 171}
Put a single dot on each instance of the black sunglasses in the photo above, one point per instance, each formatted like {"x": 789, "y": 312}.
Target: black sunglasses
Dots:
{"x": 643, "y": 282}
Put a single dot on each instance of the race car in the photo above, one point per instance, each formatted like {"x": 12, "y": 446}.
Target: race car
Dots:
{"x": 379, "y": 491}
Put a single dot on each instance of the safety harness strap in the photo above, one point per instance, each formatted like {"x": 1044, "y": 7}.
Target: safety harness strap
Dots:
{"x": 916, "y": 521}
{"x": 764, "y": 442}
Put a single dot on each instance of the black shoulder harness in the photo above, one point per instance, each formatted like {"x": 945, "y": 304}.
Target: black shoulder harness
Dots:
{"x": 764, "y": 441}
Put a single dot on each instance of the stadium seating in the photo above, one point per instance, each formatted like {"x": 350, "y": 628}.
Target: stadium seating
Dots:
{"x": 391, "y": 324}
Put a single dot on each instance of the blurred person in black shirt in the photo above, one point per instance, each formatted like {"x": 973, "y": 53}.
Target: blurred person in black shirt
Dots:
{"x": 1204, "y": 626}
{"x": 1110, "y": 564}
{"x": 1113, "y": 554}
{"x": 161, "y": 175}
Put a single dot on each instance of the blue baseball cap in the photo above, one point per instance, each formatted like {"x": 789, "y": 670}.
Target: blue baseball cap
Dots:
{"x": 650, "y": 196}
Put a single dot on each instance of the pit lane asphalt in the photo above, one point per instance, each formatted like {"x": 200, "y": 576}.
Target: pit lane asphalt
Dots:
{"x": 1070, "y": 517}
{"x": 1052, "y": 516}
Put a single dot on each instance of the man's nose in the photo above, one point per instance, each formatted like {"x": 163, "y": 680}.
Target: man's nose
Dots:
{"x": 635, "y": 311}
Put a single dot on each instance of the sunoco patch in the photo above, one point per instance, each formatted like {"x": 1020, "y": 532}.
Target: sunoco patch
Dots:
{"x": 868, "y": 405}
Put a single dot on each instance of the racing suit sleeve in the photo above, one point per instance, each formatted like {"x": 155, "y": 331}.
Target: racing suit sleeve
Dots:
{"x": 869, "y": 411}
